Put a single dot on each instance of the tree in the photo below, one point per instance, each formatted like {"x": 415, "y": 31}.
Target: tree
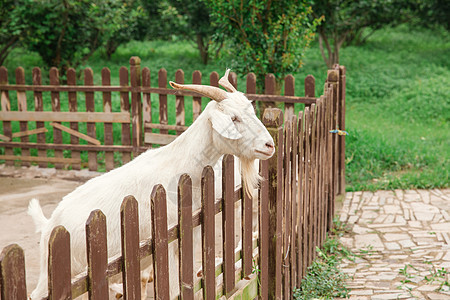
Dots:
{"x": 265, "y": 36}
{"x": 189, "y": 19}
{"x": 347, "y": 21}
{"x": 431, "y": 13}
{"x": 66, "y": 33}
{"x": 130, "y": 25}
{"x": 197, "y": 26}
{"x": 12, "y": 25}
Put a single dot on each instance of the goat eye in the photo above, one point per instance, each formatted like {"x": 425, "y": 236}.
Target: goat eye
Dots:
{"x": 235, "y": 119}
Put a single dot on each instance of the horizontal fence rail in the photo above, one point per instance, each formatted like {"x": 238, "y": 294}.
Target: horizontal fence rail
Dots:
{"x": 295, "y": 207}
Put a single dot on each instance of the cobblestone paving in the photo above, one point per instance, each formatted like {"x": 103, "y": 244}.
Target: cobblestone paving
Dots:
{"x": 402, "y": 239}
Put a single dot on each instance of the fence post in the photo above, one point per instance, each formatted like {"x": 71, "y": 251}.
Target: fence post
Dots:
{"x": 333, "y": 80}
{"x": 341, "y": 138}
{"x": 136, "y": 106}
{"x": 12, "y": 273}
{"x": 273, "y": 120}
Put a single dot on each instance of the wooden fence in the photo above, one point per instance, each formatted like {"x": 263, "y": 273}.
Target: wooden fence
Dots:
{"x": 69, "y": 120}
{"x": 295, "y": 210}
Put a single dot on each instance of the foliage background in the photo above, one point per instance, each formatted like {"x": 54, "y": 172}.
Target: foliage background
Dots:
{"x": 398, "y": 108}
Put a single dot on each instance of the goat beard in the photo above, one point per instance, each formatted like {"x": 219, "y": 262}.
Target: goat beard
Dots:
{"x": 250, "y": 175}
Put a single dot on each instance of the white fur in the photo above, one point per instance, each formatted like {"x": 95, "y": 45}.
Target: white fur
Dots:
{"x": 213, "y": 134}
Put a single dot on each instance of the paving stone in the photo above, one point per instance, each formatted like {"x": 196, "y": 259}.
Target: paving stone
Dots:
{"x": 361, "y": 292}
{"x": 424, "y": 216}
{"x": 390, "y": 296}
{"x": 396, "y": 236}
{"x": 407, "y": 244}
{"x": 369, "y": 214}
{"x": 366, "y": 240}
{"x": 446, "y": 256}
{"x": 392, "y": 246}
{"x": 359, "y": 229}
{"x": 428, "y": 288}
{"x": 438, "y": 296}
{"x": 416, "y": 224}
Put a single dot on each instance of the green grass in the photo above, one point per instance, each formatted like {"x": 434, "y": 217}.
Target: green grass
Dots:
{"x": 398, "y": 103}
{"x": 325, "y": 279}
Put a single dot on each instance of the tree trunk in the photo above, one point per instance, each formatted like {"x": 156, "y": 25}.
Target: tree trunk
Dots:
{"x": 332, "y": 57}
{"x": 203, "y": 48}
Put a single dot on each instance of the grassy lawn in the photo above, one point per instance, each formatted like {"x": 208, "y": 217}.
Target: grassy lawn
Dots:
{"x": 398, "y": 103}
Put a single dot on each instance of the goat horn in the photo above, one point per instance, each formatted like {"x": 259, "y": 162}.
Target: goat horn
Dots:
{"x": 212, "y": 92}
{"x": 226, "y": 83}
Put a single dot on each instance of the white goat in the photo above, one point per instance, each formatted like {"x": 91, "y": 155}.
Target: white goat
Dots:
{"x": 228, "y": 125}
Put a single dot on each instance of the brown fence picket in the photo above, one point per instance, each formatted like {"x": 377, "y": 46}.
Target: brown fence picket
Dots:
{"x": 160, "y": 242}
{"x": 125, "y": 107}
{"x": 39, "y": 106}
{"x": 129, "y": 224}
{"x": 108, "y": 127}
{"x": 330, "y": 184}
{"x": 307, "y": 203}
{"x": 90, "y": 107}
{"x": 97, "y": 255}
{"x": 294, "y": 203}
{"x": 317, "y": 173}
{"x": 333, "y": 78}
{"x": 320, "y": 166}
{"x": 146, "y": 101}
{"x": 185, "y": 239}
{"x": 22, "y": 106}
{"x": 310, "y": 86}
{"x": 312, "y": 188}
{"x": 228, "y": 222}
{"x": 273, "y": 120}
{"x": 300, "y": 205}
{"x": 6, "y": 106}
{"x": 56, "y": 106}
{"x": 208, "y": 247}
{"x": 251, "y": 86}
{"x": 162, "y": 83}
{"x": 197, "y": 101}
{"x": 214, "y": 79}
{"x": 289, "y": 90}
{"x": 179, "y": 102}
{"x": 342, "y": 86}
{"x": 12, "y": 273}
{"x": 263, "y": 221}
{"x": 247, "y": 227}
{"x": 287, "y": 210}
{"x": 59, "y": 272}
{"x": 73, "y": 107}
{"x": 136, "y": 107}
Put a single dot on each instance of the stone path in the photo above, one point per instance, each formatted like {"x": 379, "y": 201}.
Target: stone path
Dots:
{"x": 403, "y": 242}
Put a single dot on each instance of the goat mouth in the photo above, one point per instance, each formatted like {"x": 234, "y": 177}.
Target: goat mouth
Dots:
{"x": 264, "y": 153}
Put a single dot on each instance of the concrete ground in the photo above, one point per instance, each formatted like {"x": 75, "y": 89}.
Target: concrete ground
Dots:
{"x": 403, "y": 239}
{"x": 17, "y": 187}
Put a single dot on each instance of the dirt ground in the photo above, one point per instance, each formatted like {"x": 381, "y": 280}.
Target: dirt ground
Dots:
{"x": 17, "y": 187}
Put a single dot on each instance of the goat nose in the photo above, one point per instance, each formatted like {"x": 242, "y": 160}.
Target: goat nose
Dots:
{"x": 270, "y": 145}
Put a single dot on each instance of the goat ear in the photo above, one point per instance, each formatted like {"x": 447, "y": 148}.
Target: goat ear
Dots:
{"x": 223, "y": 124}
